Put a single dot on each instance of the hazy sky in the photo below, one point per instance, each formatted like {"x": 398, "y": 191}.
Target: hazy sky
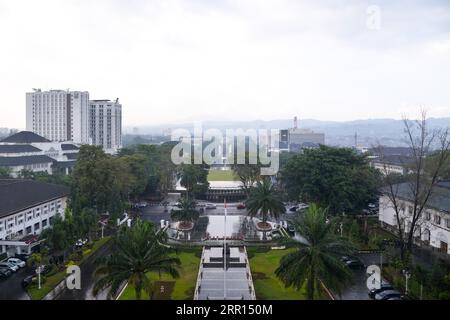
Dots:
{"x": 177, "y": 61}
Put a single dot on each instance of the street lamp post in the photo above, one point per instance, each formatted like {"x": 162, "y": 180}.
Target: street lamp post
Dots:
{"x": 407, "y": 275}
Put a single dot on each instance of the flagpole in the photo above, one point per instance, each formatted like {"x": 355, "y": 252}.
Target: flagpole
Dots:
{"x": 225, "y": 252}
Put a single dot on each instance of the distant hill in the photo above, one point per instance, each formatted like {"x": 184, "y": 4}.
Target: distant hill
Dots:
{"x": 370, "y": 132}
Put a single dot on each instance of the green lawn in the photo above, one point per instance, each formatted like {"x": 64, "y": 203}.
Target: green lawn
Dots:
{"x": 184, "y": 286}
{"x": 219, "y": 175}
{"x": 50, "y": 282}
{"x": 267, "y": 285}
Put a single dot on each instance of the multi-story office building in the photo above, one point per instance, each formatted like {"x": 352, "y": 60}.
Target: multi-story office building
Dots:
{"x": 59, "y": 115}
{"x": 296, "y": 139}
{"x": 105, "y": 124}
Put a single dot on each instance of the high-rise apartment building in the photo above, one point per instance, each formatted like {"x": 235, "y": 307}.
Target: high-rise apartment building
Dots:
{"x": 105, "y": 124}
{"x": 59, "y": 115}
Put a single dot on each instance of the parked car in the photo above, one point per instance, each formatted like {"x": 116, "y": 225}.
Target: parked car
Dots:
{"x": 10, "y": 266}
{"x": 5, "y": 273}
{"x": 17, "y": 262}
{"x": 142, "y": 204}
{"x": 384, "y": 286}
{"x": 395, "y": 298}
{"x": 353, "y": 262}
{"x": 241, "y": 206}
{"x": 27, "y": 281}
{"x": 81, "y": 242}
{"x": 211, "y": 206}
{"x": 23, "y": 256}
{"x": 387, "y": 294}
{"x": 293, "y": 209}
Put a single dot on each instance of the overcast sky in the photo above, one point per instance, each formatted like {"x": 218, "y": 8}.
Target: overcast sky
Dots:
{"x": 175, "y": 61}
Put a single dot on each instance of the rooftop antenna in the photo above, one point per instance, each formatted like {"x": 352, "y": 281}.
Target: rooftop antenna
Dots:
{"x": 295, "y": 122}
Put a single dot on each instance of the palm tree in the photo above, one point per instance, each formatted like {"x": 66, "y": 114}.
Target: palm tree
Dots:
{"x": 264, "y": 201}
{"x": 186, "y": 213}
{"x": 137, "y": 251}
{"x": 317, "y": 258}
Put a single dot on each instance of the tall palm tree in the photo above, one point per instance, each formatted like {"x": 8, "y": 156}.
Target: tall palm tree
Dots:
{"x": 317, "y": 258}
{"x": 264, "y": 201}
{"x": 186, "y": 213}
{"x": 137, "y": 251}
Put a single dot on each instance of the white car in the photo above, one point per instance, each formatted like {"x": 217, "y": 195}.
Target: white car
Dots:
{"x": 9, "y": 266}
{"x": 16, "y": 262}
{"x": 81, "y": 242}
{"x": 211, "y": 206}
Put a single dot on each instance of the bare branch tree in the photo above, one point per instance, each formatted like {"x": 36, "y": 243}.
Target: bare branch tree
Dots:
{"x": 420, "y": 179}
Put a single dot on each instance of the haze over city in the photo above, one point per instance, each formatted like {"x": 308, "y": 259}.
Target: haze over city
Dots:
{"x": 181, "y": 61}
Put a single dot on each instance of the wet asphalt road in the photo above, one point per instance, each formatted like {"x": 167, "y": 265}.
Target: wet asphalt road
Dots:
{"x": 87, "y": 279}
{"x": 359, "y": 290}
{"x": 11, "y": 288}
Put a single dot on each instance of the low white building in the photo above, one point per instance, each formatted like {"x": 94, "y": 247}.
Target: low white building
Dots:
{"x": 29, "y": 151}
{"x": 26, "y": 208}
{"x": 37, "y": 163}
{"x": 433, "y": 227}
{"x": 391, "y": 164}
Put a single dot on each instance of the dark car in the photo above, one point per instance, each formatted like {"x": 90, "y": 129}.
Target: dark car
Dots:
{"x": 5, "y": 273}
{"x": 387, "y": 294}
{"x": 23, "y": 257}
{"x": 27, "y": 281}
{"x": 353, "y": 262}
{"x": 293, "y": 209}
{"x": 384, "y": 286}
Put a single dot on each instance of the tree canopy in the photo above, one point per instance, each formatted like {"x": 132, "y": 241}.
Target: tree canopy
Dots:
{"x": 336, "y": 178}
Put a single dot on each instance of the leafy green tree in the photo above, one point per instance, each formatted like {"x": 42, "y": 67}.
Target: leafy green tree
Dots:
{"x": 336, "y": 178}
{"x": 265, "y": 202}
{"x": 100, "y": 182}
{"x": 354, "y": 232}
{"x": 25, "y": 174}
{"x": 317, "y": 258}
{"x": 186, "y": 213}
{"x": 5, "y": 173}
{"x": 85, "y": 223}
{"x": 137, "y": 251}
{"x": 60, "y": 237}
{"x": 160, "y": 172}
{"x": 194, "y": 178}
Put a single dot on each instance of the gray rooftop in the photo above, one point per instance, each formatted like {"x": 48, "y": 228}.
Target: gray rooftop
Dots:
{"x": 25, "y": 137}
{"x": 18, "y": 195}
{"x": 439, "y": 200}
{"x": 25, "y": 160}
{"x": 18, "y": 148}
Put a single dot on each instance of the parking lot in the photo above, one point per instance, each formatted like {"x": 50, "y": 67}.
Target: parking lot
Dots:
{"x": 11, "y": 288}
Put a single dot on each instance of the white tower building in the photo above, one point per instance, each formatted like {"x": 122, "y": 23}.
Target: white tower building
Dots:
{"x": 58, "y": 115}
{"x": 105, "y": 124}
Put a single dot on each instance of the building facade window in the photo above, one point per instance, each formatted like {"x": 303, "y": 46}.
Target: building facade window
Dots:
{"x": 437, "y": 219}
